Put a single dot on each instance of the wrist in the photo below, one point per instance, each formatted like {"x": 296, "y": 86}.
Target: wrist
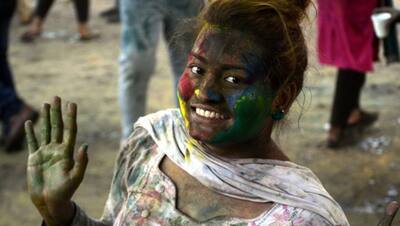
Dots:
{"x": 62, "y": 215}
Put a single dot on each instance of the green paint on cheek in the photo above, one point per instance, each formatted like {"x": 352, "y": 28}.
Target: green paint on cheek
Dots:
{"x": 250, "y": 112}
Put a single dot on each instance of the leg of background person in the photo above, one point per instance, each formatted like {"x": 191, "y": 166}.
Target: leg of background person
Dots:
{"x": 6, "y": 10}
{"x": 112, "y": 14}
{"x": 82, "y": 8}
{"x": 179, "y": 44}
{"x": 111, "y": 11}
{"x": 10, "y": 104}
{"x": 41, "y": 10}
{"x": 347, "y": 95}
{"x": 13, "y": 112}
{"x": 140, "y": 33}
{"x": 24, "y": 11}
{"x": 359, "y": 81}
{"x": 9, "y": 101}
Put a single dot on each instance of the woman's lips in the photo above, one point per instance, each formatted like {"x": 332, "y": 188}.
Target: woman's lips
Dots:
{"x": 208, "y": 113}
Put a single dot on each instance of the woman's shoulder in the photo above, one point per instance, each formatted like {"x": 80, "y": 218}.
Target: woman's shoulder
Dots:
{"x": 141, "y": 146}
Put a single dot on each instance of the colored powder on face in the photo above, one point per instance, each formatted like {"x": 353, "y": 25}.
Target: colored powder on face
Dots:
{"x": 197, "y": 92}
{"x": 213, "y": 96}
{"x": 182, "y": 107}
{"x": 185, "y": 86}
{"x": 255, "y": 67}
{"x": 250, "y": 111}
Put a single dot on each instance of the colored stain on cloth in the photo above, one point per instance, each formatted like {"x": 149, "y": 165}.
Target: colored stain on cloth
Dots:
{"x": 250, "y": 110}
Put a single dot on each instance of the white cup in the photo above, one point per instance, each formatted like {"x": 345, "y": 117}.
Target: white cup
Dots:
{"x": 380, "y": 21}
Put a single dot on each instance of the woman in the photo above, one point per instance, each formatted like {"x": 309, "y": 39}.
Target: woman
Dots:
{"x": 213, "y": 162}
{"x": 346, "y": 41}
{"x": 41, "y": 11}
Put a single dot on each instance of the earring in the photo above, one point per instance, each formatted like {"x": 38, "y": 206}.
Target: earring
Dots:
{"x": 278, "y": 115}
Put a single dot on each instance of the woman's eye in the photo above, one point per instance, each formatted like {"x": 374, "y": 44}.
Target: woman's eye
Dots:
{"x": 232, "y": 79}
{"x": 196, "y": 70}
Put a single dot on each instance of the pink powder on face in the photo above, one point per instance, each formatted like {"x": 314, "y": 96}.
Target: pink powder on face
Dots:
{"x": 185, "y": 86}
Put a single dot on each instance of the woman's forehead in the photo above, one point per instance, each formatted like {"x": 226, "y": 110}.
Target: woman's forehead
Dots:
{"x": 215, "y": 42}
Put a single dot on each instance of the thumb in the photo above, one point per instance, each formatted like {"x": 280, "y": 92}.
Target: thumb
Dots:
{"x": 78, "y": 171}
{"x": 390, "y": 213}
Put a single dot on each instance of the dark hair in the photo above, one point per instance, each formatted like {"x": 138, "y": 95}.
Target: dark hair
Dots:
{"x": 275, "y": 25}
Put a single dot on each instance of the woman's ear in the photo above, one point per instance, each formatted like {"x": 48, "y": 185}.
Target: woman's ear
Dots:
{"x": 285, "y": 97}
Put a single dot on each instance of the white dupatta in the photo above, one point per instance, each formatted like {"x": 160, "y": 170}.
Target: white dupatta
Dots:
{"x": 257, "y": 180}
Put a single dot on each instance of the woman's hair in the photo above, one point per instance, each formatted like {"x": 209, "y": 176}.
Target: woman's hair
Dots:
{"x": 275, "y": 26}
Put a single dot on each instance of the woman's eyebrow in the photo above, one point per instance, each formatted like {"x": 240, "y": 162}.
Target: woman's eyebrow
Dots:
{"x": 223, "y": 66}
{"x": 201, "y": 58}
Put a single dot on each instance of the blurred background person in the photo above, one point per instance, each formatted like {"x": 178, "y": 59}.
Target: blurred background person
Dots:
{"x": 346, "y": 41}
{"x": 142, "y": 23}
{"x": 41, "y": 11}
{"x": 13, "y": 111}
{"x": 111, "y": 15}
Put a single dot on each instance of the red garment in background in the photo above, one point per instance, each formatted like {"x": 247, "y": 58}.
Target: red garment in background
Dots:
{"x": 345, "y": 33}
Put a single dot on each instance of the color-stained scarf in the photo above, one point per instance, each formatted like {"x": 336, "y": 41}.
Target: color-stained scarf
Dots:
{"x": 257, "y": 180}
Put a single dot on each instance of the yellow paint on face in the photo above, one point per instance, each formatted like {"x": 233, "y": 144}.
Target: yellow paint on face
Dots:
{"x": 197, "y": 92}
{"x": 183, "y": 111}
{"x": 185, "y": 116}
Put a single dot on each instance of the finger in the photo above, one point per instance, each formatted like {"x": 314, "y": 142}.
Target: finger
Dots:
{"x": 45, "y": 129}
{"x": 30, "y": 137}
{"x": 56, "y": 121}
{"x": 390, "y": 213}
{"x": 78, "y": 171}
{"x": 70, "y": 128}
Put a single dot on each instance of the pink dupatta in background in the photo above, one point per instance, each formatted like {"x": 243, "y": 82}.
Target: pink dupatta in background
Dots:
{"x": 345, "y": 34}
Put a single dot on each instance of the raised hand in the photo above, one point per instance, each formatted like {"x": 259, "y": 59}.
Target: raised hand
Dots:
{"x": 52, "y": 174}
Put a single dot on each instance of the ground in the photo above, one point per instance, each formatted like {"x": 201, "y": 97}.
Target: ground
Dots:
{"x": 362, "y": 178}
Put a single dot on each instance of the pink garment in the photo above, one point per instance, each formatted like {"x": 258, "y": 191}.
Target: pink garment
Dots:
{"x": 345, "y": 33}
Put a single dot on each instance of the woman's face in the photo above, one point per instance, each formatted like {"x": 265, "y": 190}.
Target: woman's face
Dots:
{"x": 223, "y": 96}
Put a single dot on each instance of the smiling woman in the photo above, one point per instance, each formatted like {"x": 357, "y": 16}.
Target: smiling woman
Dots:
{"x": 225, "y": 97}
{"x": 212, "y": 162}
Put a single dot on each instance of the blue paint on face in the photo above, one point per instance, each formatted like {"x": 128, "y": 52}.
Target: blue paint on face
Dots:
{"x": 231, "y": 99}
{"x": 255, "y": 67}
{"x": 213, "y": 96}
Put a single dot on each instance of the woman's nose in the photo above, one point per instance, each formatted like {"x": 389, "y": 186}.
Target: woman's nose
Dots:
{"x": 208, "y": 91}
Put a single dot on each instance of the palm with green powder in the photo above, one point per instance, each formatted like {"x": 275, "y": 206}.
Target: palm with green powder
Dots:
{"x": 52, "y": 173}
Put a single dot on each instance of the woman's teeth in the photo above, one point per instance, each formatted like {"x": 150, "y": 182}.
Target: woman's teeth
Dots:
{"x": 209, "y": 114}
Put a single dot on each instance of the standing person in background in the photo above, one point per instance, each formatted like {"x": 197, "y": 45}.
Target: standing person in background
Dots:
{"x": 346, "y": 41}
{"x": 112, "y": 14}
{"x": 142, "y": 22}
{"x": 13, "y": 111}
{"x": 41, "y": 11}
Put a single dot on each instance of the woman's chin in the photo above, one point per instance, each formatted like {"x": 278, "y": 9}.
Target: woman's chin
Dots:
{"x": 200, "y": 136}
